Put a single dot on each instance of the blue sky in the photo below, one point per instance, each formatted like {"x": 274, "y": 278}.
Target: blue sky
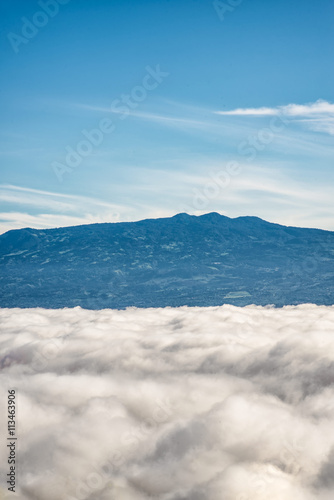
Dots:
{"x": 123, "y": 110}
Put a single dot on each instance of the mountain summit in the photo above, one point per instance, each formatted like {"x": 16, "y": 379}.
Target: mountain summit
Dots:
{"x": 182, "y": 260}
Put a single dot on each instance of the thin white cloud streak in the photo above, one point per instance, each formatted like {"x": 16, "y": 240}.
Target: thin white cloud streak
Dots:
{"x": 19, "y": 220}
{"x": 172, "y": 403}
{"x": 154, "y": 117}
{"x": 249, "y": 112}
{"x": 39, "y": 196}
{"x": 173, "y": 120}
{"x": 319, "y": 107}
{"x": 319, "y": 115}
{"x": 55, "y": 209}
{"x": 320, "y": 125}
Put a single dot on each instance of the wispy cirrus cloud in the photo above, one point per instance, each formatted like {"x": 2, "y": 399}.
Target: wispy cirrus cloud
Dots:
{"x": 314, "y": 108}
{"x": 318, "y": 116}
{"x": 42, "y": 209}
{"x": 48, "y": 199}
{"x": 163, "y": 117}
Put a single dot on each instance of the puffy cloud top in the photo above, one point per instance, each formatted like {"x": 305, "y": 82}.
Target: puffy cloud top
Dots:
{"x": 171, "y": 404}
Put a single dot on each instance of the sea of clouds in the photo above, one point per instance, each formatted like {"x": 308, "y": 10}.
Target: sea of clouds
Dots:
{"x": 217, "y": 403}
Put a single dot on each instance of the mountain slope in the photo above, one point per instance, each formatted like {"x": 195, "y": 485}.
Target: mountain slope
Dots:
{"x": 182, "y": 260}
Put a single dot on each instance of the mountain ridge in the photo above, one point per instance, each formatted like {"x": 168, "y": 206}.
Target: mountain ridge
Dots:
{"x": 181, "y": 260}
{"x": 176, "y": 216}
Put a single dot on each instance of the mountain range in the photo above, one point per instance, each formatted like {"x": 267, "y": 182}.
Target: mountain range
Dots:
{"x": 189, "y": 260}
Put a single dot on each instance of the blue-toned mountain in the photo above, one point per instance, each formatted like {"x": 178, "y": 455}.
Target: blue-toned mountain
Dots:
{"x": 183, "y": 260}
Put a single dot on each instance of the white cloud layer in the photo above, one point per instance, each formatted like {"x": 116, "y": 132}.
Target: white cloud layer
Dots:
{"x": 171, "y": 404}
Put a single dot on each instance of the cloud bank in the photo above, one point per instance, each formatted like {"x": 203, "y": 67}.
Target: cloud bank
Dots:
{"x": 171, "y": 404}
